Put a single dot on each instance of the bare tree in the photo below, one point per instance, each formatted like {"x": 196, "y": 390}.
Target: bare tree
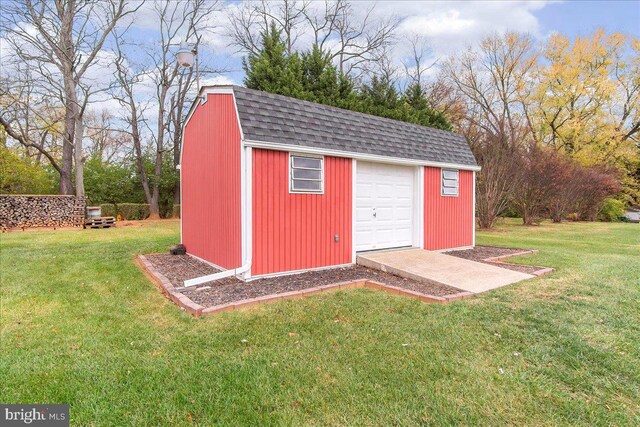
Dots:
{"x": 626, "y": 75}
{"x": 107, "y": 141}
{"x": 68, "y": 35}
{"x": 179, "y": 22}
{"x": 441, "y": 95}
{"x": 32, "y": 120}
{"x": 355, "y": 41}
{"x": 361, "y": 39}
{"x": 177, "y": 113}
{"x": 490, "y": 79}
{"x": 253, "y": 18}
{"x": 128, "y": 79}
{"x": 417, "y": 65}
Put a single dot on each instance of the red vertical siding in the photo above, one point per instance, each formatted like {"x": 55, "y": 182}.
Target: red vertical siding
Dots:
{"x": 211, "y": 207}
{"x": 296, "y": 231}
{"x": 448, "y": 221}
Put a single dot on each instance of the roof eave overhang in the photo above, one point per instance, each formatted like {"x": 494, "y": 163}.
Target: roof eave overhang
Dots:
{"x": 354, "y": 155}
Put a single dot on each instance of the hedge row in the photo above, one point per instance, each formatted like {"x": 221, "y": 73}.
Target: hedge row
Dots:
{"x": 126, "y": 211}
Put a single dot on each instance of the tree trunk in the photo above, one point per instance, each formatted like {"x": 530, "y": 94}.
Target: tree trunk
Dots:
{"x": 78, "y": 156}
{"x": 142, "y": 175}
{"x": 177, "y": 147}
{"x": 154, "y": 208}
{"x": 68, "y": 138}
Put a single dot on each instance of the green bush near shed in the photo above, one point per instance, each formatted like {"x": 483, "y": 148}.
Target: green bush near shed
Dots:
{"x": 127, "y": 211}
{"x": 612, "y": 210}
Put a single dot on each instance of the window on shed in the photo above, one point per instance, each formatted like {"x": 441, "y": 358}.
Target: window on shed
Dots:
{"x": 306, "y": 174}
{"x": 449, "y": 182}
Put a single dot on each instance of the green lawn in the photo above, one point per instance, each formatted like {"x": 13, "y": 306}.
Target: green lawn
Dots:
{"x": 82, "y": 325}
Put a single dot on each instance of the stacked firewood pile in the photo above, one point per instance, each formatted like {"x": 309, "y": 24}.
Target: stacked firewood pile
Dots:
{"x": 23, "y": 211}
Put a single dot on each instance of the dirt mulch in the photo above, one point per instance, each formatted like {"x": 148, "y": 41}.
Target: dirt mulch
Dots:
{"x": 485, "y": 253}
{"x": 178, "y": 268}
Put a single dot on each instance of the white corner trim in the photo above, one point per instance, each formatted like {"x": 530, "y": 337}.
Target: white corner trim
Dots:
{"x": 473, "y": 212}
{"x": 247, "y": 211}
{"x": 353, "y": 155}
{"x": 354, "y": 166}
{"x": 243, "y": 204}
{"x": 419, "y": 221}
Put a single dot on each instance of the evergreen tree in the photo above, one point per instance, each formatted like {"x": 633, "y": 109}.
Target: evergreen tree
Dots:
{"x": 313, "y": 77}
{"x": 320, "y": 77}
{"x": 420, "y": 112}
{"x": 271, "y": 70}
{"x": 380, "y": 97}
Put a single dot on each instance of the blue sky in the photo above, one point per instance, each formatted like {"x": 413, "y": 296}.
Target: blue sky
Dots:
{"x": 577, "y": 18}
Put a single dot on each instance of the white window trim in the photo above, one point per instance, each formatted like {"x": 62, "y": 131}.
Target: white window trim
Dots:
{"x": 442, "y": 171}
{"x": 322, "y": 175}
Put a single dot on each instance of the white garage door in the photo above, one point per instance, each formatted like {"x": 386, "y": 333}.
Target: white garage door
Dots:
{"x": 384, "y": 206}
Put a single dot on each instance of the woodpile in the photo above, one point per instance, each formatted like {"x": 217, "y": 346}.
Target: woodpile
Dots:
{"x": 24, "y": 211}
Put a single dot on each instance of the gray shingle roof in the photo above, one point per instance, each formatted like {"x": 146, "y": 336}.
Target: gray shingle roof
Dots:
{"x": 266, "y": 117}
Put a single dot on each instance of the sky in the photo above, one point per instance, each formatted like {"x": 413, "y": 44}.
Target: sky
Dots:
{"x": 447, "y": 27}
{"x": 450, "y": 25}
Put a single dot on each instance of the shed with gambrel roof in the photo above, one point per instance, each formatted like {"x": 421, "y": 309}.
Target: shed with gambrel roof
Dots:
{"x": 272, "y": 184}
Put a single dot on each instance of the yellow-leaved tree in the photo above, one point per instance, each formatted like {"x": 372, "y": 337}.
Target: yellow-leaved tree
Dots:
{"x": 584, "y": 99}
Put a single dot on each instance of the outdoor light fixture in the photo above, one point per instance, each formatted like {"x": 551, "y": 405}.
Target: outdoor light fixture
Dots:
{"x": 186, "y": 57}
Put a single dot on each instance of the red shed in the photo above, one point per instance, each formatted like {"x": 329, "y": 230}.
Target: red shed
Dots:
{"x": 274, "y": 185}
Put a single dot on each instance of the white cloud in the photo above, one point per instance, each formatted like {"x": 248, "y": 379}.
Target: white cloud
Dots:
{"x": 218, "y": 80}
{"x": 451, "y": 26}
{"x": 437, "y": 24}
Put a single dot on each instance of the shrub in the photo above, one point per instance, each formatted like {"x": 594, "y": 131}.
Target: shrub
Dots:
{"x": 612, "y": 210}
{"x": 176, "y": 211}
{"x": 21, "y": 175}
{"x": 551, "y": 185}
{"x": 108, "y": 209}
{"x": 598, "y": 184}
{"x": 540, "y": 171}
{"x": 127, "y": 211}
{"x": 133, "y": 211}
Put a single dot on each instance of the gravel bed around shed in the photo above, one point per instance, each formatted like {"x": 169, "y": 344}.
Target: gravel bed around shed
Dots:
{"x": 485, "y": 253}
{"x": 178, "y": 268}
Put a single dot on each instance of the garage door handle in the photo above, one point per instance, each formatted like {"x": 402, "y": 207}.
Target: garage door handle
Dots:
{"x": 374, "y": 215}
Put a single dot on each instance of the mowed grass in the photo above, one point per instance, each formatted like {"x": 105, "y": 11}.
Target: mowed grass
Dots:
{"x": 82, "y": 325}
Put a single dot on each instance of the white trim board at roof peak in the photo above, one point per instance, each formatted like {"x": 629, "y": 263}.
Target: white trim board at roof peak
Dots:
{"x": 352, "y": 155}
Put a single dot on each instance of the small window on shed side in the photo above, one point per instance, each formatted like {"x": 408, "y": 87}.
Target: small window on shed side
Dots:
{"x": 450, "y": 183}
{"x": 306, "y": 174}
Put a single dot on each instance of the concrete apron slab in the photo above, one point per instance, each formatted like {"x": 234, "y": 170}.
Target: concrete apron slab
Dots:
{"x": 434, "y": 267}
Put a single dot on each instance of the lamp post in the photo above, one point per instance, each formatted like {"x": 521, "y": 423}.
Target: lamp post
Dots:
{"x": 186, "y": 58}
